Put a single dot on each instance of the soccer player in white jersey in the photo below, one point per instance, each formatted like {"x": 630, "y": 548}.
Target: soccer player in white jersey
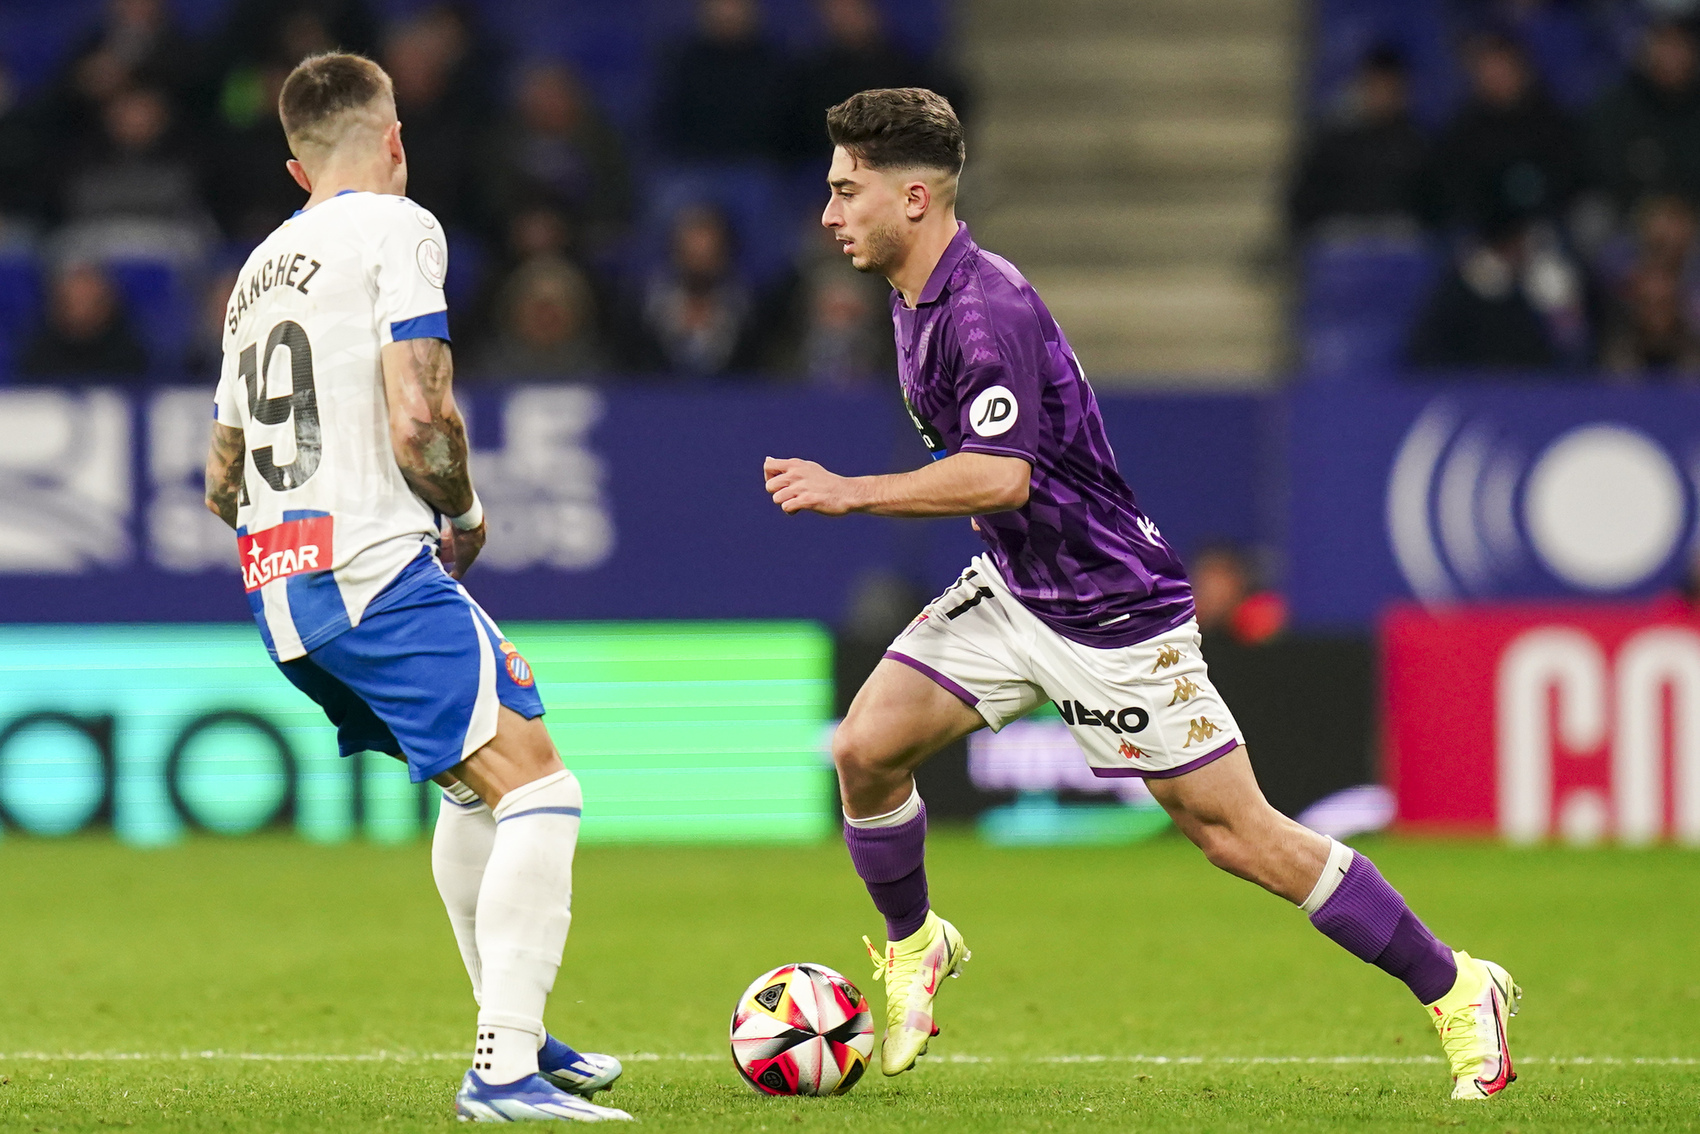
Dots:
{"x": 1078, "y": 600}
{"x": 337, "y": 452}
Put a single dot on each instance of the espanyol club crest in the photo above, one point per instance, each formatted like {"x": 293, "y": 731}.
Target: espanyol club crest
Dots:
{"x": 518, "y": 668}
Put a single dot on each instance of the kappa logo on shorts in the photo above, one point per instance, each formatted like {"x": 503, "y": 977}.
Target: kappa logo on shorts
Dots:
{"x": 288, "y": 549}
{"x": 1200, "y": 730}
{"x": 1185, "y": 690}
{"x": 1130, "y": 751}
{"x": 1117, "y": 721}
{"x": 1166, "y": 657}
{"x": 518, "y": 668}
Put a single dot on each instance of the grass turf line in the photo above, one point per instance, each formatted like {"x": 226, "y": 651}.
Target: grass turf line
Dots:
{"x": 274, "y": 946}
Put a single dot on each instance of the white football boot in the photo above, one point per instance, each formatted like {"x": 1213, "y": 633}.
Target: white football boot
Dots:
{"x": 1471, "y": 1020}
{"x": 912, "y": 969}
{"x": 531, "y": 1099}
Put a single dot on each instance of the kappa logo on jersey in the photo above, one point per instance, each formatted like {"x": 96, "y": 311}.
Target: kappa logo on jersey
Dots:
{"x": 993, "y": 411}
{"x": 288, "y": 549}
{"x": 1117, "y": 721}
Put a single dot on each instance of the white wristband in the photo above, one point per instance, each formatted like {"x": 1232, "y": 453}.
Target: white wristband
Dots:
{"x": 470, "y": 518}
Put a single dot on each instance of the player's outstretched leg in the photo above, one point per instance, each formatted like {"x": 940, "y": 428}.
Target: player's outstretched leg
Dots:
{"x": 1222, "y": 810}
{"x": 460, "y": 850}
{"x": 523, "y": 913}
{"x": 898, "y": 719}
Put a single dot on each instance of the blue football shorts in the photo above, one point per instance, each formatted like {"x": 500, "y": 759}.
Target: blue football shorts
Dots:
{"x": 421, "y": 676}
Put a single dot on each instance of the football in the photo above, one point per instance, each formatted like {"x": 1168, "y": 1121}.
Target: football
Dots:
{"x": 802, "y": 1030}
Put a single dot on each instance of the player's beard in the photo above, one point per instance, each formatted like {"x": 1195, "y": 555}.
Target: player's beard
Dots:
{"x": 881, "y": 249}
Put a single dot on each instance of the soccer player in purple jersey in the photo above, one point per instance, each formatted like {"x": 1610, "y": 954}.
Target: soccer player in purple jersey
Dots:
{"x": 1076, "y": 600}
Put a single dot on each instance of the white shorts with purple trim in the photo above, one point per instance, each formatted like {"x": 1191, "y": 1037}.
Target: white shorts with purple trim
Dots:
{"x": 1145, "y": 710}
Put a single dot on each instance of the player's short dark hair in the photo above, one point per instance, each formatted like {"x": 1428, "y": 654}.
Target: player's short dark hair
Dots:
{"x": 901, "y": 128}
{"x": 324, "y": 86}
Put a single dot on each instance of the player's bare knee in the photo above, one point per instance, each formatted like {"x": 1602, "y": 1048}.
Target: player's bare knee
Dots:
{"x": 851, "y": 750}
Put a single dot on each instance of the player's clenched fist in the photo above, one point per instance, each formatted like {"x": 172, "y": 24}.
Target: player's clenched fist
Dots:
{"x": 797, "y": 485}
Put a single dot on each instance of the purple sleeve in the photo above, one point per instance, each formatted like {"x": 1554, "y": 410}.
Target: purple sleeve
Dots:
{"x": 1001, "y": 357}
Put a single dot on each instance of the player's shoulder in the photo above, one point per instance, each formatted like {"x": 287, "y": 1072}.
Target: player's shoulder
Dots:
{"x": 988, "y": 288}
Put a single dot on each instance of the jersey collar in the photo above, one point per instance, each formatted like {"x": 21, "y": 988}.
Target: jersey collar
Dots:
{"x": 960, "y": 245}
{"x": 339, "y": 193}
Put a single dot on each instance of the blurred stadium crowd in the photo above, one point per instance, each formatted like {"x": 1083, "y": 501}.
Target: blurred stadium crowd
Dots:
{"x": 659, "y": 220}
{"x": 1502, "y": 185}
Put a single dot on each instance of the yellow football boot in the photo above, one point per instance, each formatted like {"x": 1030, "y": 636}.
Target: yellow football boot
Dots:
{"x": 912, "y": 969}
{"x": 1471, "y": 1020}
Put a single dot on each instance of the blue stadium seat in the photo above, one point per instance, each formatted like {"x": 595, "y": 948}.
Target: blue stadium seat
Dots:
{"x": 20, "y": 306}
{"x": 160, "y": 299}
{"x": 1360, "y": 300}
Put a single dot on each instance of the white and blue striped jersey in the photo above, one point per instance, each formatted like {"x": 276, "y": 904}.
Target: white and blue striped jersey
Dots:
{"x": 326, "y": 520}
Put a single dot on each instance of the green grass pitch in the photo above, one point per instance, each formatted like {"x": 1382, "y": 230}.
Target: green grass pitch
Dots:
{"x": 300, "y": 953}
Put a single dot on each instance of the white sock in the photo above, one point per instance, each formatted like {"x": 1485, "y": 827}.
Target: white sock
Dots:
{"x": 524, "y": 911}
{"x": 1339, "y": 859}
{"x": 896, "y": 817}
{"x": 460, "y": 847}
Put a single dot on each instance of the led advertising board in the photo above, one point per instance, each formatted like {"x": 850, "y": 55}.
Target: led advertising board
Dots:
{"x": 679, "y": 731}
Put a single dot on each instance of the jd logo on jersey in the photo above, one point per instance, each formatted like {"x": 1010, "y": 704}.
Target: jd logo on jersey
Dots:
{"x": 294, "y": 546}
{"x": 993, "y": 411}
{"x": 1117, "y": 721}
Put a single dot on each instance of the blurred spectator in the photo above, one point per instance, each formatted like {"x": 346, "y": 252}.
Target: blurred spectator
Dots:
{"x": 1572, "y": 43}
{"x": 1226, "y": 599}
{"x": 85, "y": 332}
{"x": 847, "y": 336}
{"x": 1510, "y": 149}
{"x": 1644, "y": 135}
{"x": 824, "y": 322}
{"x": 23, "y": 199}
{"x": 252, "y": 191}
{"x": 206, "y": 345}
{"x": 1650, "y": 329}
{"x": 1663, "y": 238}
{"x": 1508, "y": 302}
{"x": 547, "y": 325}
{"x": 560, "y": 154}
{"x": 137, "y": 189}
{"x": 438, "y": 131}
{"x": 857, "y": 56}
{"x": 695, "y": 316}
{"x": 720, "y": 90}
{"x": 138, "y": 44}
{"x": 474, "y": 61}
{"x": 260, "y": 35}
{"x": 533, "y": 232}
{"x": 284, "y": 31}
{"x": 1364, "y": 171}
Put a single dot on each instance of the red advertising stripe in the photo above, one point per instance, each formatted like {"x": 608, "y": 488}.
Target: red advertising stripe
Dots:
{"x": 1537, "y": 722}
{"x": 288, "y": 549}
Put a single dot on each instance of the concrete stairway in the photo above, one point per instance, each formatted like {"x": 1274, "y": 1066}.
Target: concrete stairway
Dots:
{"x": 1127, "y": 155}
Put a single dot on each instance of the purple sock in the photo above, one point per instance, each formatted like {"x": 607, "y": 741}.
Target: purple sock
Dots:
{"x": 1367, "y": 917}
{"x": 891, "y": 861}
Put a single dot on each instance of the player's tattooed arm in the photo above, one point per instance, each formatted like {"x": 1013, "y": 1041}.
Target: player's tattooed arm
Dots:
{"x": 964, "y": 484}
{"x": 426, "y": 429}
{"x": 429, "y": 438}
{"x": 224, "y": 472}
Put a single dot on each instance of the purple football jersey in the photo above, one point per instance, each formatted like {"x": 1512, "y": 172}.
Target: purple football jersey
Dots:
{"x": 986, "y": 369}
